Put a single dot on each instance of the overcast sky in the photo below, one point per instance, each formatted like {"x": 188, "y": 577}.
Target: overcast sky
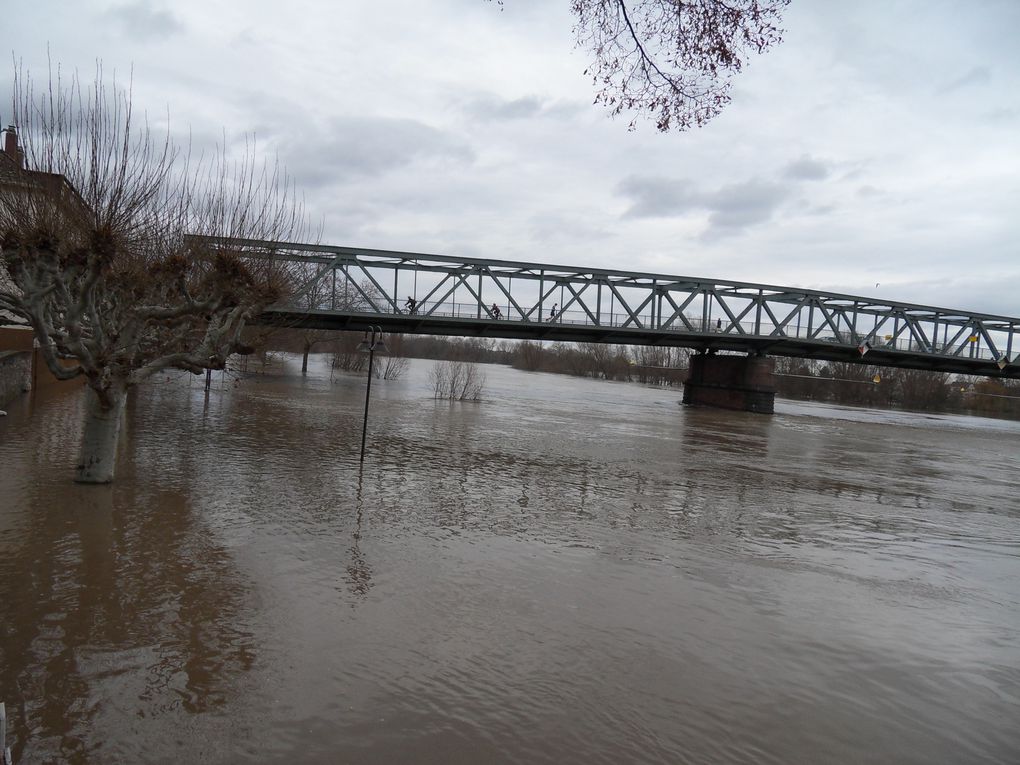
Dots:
{"x": 876, "y": 151}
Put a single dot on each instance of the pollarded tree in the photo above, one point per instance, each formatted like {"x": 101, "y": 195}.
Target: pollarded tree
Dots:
{"x": 672, "y": 60}
{"x": 97, "y": 257}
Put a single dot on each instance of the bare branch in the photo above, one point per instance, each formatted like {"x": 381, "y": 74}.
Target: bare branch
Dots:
{"x": 96, "y": 253}
{"x": 672, "y": 60}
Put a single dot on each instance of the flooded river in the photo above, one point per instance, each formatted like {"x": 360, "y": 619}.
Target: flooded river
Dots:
{"x": 569, "y": 571}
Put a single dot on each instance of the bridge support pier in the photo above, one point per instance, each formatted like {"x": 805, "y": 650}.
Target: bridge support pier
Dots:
{"x": 731, "y": 382}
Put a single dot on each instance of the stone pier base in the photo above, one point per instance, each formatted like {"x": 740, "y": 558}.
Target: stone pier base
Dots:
{"x": 731, "y": 382}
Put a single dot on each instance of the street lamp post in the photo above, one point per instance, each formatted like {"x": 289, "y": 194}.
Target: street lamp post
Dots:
{"x": 373, "y": 342}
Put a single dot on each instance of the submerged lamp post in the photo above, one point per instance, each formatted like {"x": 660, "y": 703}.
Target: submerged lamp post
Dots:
{"x": 373, "y": 342}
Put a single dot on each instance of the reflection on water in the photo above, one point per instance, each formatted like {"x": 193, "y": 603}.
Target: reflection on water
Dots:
{"x": 116, "y": 606}
{"x": 568, "y": 571}
{"x": 359, "y": 572}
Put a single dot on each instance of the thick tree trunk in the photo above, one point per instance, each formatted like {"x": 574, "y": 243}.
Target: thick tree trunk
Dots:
{"x": 98, "y": 456}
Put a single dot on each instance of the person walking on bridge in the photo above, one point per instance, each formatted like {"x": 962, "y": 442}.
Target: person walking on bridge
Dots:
{"x": 496, "y": 313}
{"x": 411, "y": 305}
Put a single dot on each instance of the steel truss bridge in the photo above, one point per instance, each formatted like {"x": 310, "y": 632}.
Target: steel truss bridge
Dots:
{"x": 347, "y": 288}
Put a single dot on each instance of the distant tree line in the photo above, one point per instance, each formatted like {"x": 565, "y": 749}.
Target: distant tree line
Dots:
{"x": 844, "y": 383}
{"x": 641, "y": 364}
{"x": 344, "y": 346}
{"x": 851, "y": 384}
{"x": 647, "y": 365}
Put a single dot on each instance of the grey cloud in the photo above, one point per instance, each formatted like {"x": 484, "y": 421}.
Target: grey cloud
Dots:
{"x": 983, "y": 294}
{"x": 143, "y": 20}
{"x": 6, "y": 87}
{"x": 344, "y": 223}
{"x": 658, "y": 197}
{"x": 807, "y": 207}
{"x": 730, "y": 208}
{"x": 366, "y": 146}
{"x": 743, "y": 204}
{"x": 807, "y": 169}
{"x": 487, "y": 107}
{"x": 1002, "y": 114}
{"x": 557, "y": 227}
{"x": 979, "y": 75}
{"x": 498, "y": 109}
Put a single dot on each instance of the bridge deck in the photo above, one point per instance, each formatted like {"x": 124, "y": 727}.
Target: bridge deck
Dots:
{"x": 569, "y": 331}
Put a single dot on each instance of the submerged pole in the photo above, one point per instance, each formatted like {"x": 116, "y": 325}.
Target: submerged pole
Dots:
{"x": 372, "y": 340}
{"x": 368, "y": 395}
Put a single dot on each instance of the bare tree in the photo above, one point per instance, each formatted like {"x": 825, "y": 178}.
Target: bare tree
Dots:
{"x": 528, "y": 355}
{"x": 921, "y": 388}
{"x": 396, "y": 363}
{"x": 346, "y": 356}
{"x": 672, "y": 60}
{"x": 326, "y": 293}
{"x": 320, "y": 294}
{"x": 457, "y": 380}
{"x": 657, "y": 365}
{"x": 349, "y": 296}
{"x": 98, "y": 257}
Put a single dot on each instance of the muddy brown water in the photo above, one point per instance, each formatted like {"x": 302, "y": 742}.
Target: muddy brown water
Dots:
{"x": 570, "y": 571}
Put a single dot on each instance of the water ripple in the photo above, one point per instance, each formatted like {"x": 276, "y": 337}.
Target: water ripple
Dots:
{"x": 570, "y": 571}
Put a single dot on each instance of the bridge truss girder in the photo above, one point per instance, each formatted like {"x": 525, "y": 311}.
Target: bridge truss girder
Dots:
{"x": 616, "y": 306}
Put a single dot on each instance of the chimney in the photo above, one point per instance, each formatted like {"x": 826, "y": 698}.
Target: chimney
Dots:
{"x": 11, "y": 148}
